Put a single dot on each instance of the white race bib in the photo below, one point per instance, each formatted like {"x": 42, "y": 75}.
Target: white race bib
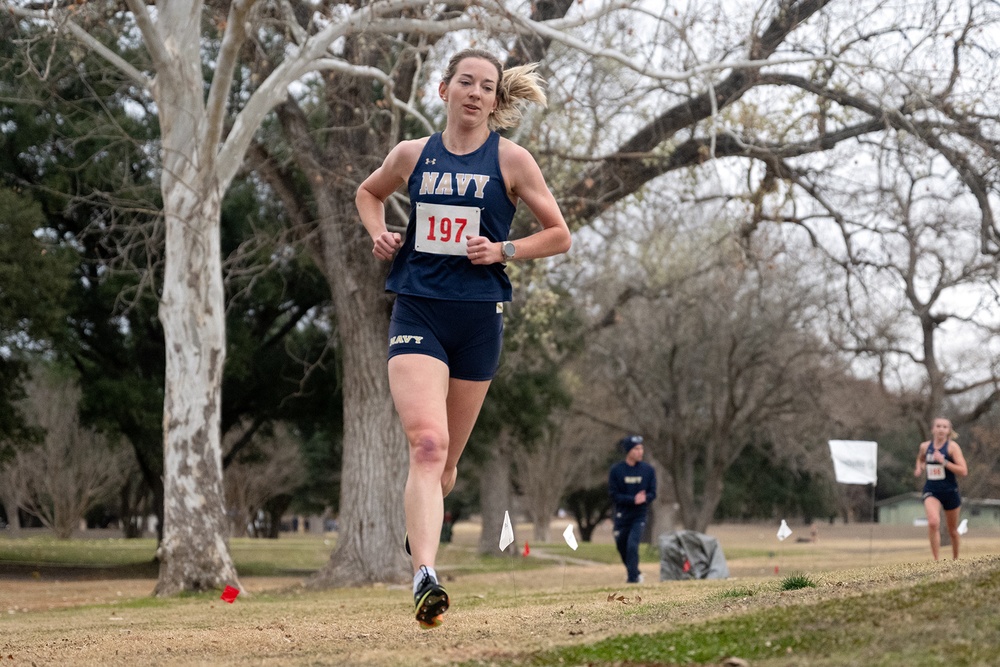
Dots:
{"x": 443, "y": 230}
{"x": 935, "y": 471}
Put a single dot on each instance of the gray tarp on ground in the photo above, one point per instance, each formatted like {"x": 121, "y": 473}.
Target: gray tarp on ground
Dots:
{"x": 701, "y": 552}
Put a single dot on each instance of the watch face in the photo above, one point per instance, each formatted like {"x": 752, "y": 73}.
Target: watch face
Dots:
{"x": 508, "y": 249}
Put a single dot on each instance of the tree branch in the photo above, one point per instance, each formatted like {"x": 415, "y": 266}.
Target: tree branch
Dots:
{"x": 232, "y": 41}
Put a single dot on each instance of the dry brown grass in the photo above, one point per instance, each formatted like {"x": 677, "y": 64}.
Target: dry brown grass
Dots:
{"x": 277, "y": 622}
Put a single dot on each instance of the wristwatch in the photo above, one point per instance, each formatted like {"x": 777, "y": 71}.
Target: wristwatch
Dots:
{"x": 508, "y": 250}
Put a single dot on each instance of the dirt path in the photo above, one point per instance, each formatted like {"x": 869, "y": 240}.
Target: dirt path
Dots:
{"x": 116, "y": 622}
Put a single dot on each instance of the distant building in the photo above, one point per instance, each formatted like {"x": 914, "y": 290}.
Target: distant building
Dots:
{"x": 907, "y": 509}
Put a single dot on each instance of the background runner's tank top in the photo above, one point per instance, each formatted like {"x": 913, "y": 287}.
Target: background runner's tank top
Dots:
{"x": 444, "y": 185}
{"x": 947, "y": 480}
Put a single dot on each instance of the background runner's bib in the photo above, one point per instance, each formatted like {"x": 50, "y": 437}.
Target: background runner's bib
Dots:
{"x": 935, "y": 471}
{"x": 443, "y": 229}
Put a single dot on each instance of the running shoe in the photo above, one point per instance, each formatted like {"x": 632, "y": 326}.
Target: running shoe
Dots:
{"x": 431, "y": 601}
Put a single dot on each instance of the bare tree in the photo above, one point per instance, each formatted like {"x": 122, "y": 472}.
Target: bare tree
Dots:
{"x": 854, "y": 407}
{"x": 984, "y": 459}
{"x": 791, "y": 89}
{"x": 545, "y": 471}
{"x": 820, "y": 100}
{"x": 73, "y": 468}
{"x": 496, "y": 495}
{"x": 711, "y": 356}
{"x": 270, "y": 467}
{"x": 920, "y": 306}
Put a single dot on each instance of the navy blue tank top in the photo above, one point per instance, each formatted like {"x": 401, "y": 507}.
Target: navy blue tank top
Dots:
{"x": 948, "y": 480}
{"x": 448, "y": 193}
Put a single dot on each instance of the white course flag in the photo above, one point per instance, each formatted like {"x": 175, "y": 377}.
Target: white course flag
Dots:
{"x": 855, "y": 461}
{"x": 570, "y": 537}
{"x": 507, "y": 532}
{"x": 783, "y": 531}
{"x": 963, "y": 527}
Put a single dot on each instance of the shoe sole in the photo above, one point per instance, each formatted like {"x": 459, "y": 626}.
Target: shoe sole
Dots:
{"x": 431, "y": 608}
{"x": 435, "y": 622}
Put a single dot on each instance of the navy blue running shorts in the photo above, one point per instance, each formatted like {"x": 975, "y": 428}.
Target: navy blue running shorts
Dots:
{"x": 949, "y": 498}
{"x": 466, "y": 335}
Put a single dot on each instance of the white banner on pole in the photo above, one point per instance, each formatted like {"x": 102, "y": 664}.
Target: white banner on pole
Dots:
{"x": 855, "y": 461}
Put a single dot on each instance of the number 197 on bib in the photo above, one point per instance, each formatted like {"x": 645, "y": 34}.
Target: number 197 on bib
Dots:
{"x": 443, "y": 230}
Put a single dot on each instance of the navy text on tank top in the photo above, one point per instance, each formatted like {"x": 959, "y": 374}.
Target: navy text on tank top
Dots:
{"x": 441, "y": 180}
{"x": 947, "y": 480}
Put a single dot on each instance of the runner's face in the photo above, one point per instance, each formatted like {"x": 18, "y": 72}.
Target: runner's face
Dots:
{"x": 471, "y": 95}
{"x": 941, "y": 429}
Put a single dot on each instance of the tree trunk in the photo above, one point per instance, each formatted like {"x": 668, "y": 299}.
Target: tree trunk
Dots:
{"x": 709, "y": 501}
{"x": 682, "y": 476}
{"x": 13, "y": 517}
{"x": 12, "y": 494}
{"x": 590, "y": 507}
{"x": 375, "y": 460}
{"x": 133, "y": 505}
{"x": 533, "y": 471}
{"x": 375, "y": 452}
{"x": 194, "y": 553}
{"x": 155, "y": 483}
{"x": 663, "y": 513}
{"x": 541, "y": 523}
{"x": 495, "y": 497}
{"x": 375, "y": 457}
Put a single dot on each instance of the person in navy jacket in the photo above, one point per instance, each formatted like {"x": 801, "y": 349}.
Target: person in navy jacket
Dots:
{"x": 449, "y": 276}
{"x": 632, "y": 485}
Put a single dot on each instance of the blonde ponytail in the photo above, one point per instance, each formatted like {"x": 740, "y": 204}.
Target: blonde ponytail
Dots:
{"x": 518, "y": 84}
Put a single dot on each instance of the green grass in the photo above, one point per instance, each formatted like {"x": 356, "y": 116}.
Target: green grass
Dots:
{"x": 600, "y": 553}
{"x": 928, "y": 623}
{"x": 288, "y": 554}
{"x": 796, "y": 581}
{"x": 252, "y": 557}
{"x": 297, "y": 555}
{"x": 47, "y": 550}
{"x": 739, "y": 553}
{"x": 738, "y": 593}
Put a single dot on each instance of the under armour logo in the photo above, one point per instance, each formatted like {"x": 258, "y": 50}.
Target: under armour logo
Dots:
{"x": 430, "y": 160}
